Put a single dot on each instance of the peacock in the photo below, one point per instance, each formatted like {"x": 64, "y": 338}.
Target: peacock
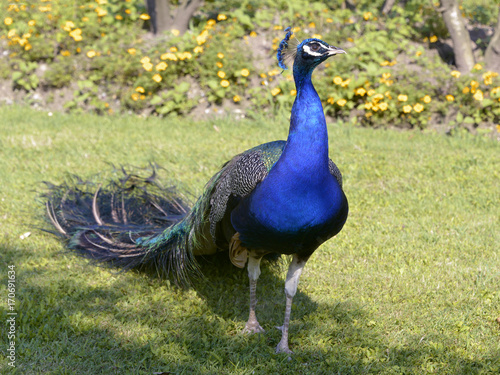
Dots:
{"x": 281, "y": 197}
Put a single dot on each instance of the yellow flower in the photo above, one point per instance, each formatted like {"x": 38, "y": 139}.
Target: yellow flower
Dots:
{"x": 360, "y": 91}
{"x": 135, "y": 96}
{"x": 478, "y": 95}
{"x": 145, "y": 60}
{"x": 65, "y": 53}
{"x": 86, "y": 19}
{"x": 220, "y": 55}
{"x": 245, "y": 72}
{"x": 119, "y": 17}
{"x": 378, "y": 97}
{"x": 219, "y": 64}
{"x": 236, "y": 98}
{"x": 466, "y": 90}
{"x": 418, "y": 53}
{"x": 407, "y": 108}
{"x": 32, "y": 23}
{"x": 341, "y": 102}
{"x": 433, "y": 39}
{"x": 173, "y": 49}
{"x": 418, "y": 107}
{"x": 450, "y": 98}
{"x": 221, "y": 74}
{"x": 184, "y": 55}
{"x": 367, "y": 15}
{"x": 221, "y": 17}
{"x": 317, "y": 36}
{"x": 211, "y": 22}
{"x": 8, "y": 21}
{"x": 76, "y": 34}
{"x": 147, "y": 66}
{"x": 175, "y": 32}
{"x": 312, "y": 25}
{"x": 91, "y": 54}
{"x": 161, "y": 66}
{"x": 202, "y": 38}
{"x": 140, "y": 89}
{"x": 402, "y": 98}
{"x": 293, "y": 92}
{"x": 142, "y": 97}
{"x": 168, "y": 56}
{"x": 253, "y": 34}
{"x": 330, "y": 101}
{"x": 275, "y": 91}
{"x": 345, "y": 83}
{"x": 455, "y": 73}
{"x": 68, "y": 26}
{"x": 427, "y": 99}
{"x": 384, "y": 63}
{"x": 157, "y": 78}
{"x": 329, "y": 20}
{"x": 498, "y": 128}
{"x": 224, "y": 83}
{"x": 383, "y": 106}
{"x": 132, "y": 51}
{"x": 144, "y": 16}
{"x": 273, "y": 72}
{"x": 478, "y": 67}
{"x": 198, "y": 49}
{"x": 27, "y": 47}
{"x": 101, "y": 12}
{"x": 368, "y": 105}
{"x": 386, "y": 75}
{"x": 474, "y": 84}
{"x": 370, "y": 92}
{"x": 337, "y": 80}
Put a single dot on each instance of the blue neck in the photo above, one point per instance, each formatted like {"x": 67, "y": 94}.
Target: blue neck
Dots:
{"x": 307, "y": 143}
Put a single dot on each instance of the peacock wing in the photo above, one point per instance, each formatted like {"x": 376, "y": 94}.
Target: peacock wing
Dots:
{"x": 237, "y": 179}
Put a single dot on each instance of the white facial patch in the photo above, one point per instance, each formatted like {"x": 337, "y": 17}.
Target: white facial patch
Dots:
{"x": 308, "y": 50}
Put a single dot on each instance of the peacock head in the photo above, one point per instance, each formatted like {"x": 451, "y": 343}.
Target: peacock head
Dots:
{"x": 306, "y": 55}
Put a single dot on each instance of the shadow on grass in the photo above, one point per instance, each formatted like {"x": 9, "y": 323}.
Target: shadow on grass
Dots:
{"x": 70, "y": 324}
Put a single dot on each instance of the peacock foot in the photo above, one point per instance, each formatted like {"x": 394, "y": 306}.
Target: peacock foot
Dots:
{"x": 253, "y": 326}
{"x": 283, "y": 348}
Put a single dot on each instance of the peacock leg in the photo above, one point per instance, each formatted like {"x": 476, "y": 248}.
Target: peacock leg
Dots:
{"x": 253, "y": 325}
{"x": 292, "y": 280}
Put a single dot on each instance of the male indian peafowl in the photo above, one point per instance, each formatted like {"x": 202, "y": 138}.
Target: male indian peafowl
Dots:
{"x": 279, "y": 197}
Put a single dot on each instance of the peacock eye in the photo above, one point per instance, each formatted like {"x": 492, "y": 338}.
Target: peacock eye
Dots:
{"x": 315, "y": 47}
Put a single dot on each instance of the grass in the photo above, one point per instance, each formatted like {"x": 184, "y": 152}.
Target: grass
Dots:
{"x": 410, "y": 286}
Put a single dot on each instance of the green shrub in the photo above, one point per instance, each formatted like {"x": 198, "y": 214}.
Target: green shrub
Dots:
{"x": 389, "y": 76}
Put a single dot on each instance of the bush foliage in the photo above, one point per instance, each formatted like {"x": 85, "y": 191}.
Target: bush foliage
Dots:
{"x": 103, "y": 52}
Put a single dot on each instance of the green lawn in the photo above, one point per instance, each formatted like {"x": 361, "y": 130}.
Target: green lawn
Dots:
{"x": 410, "y": 286}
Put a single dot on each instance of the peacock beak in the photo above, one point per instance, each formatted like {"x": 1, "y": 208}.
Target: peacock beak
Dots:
{"x": 332, "y": 50}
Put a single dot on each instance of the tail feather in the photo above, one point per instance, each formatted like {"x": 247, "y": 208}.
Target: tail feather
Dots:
{"x": 133, "y": 222}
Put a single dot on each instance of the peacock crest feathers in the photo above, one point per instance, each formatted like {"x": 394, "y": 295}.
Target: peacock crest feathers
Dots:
{"x": 287, "y": 49}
